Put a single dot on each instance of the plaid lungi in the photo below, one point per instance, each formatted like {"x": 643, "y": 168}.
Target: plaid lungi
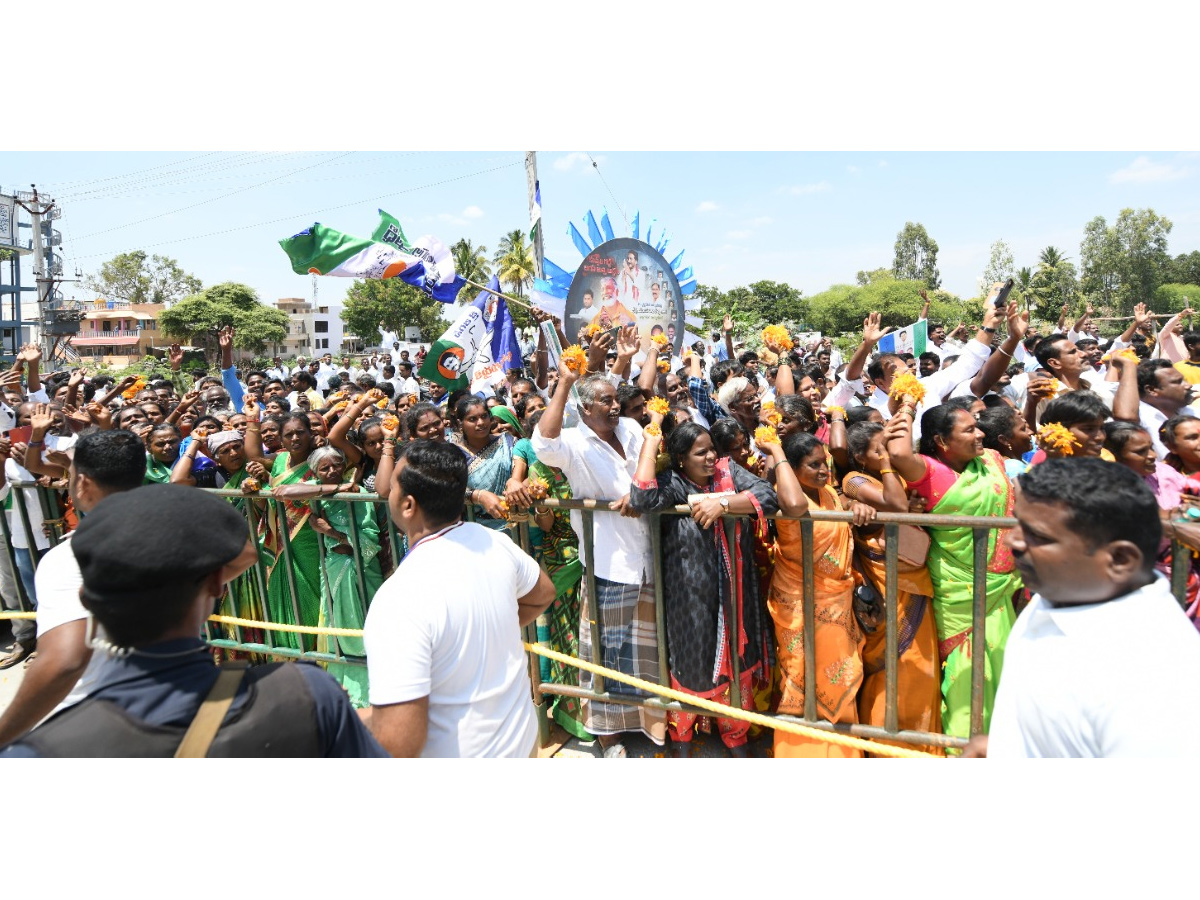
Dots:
{"x": 629, "y": 644}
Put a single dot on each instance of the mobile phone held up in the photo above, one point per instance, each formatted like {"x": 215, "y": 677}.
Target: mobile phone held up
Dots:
{"x": 999, "y": 293}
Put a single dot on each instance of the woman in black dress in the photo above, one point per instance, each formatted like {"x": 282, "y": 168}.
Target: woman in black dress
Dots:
{"x": 712, "y": 602}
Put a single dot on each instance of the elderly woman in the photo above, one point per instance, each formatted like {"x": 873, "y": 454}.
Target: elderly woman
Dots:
{"x": 162, "y": 452}
{"x": 712, "y": 603}
{"x": 347, "y": 597}
{"x": 489, "y": 460}
{"x": 957, "y": 476}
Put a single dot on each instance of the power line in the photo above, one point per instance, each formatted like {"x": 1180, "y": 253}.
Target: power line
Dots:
{"x": 596, "y": 166}
{"x": 317, "y": 212}
{"x": 83, "y": 182}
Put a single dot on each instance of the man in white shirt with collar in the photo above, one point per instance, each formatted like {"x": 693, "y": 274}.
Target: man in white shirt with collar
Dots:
{"x": 1103, "y": 657}
{"x": 1163, "y": 392}
{"x": 599, "y": 457}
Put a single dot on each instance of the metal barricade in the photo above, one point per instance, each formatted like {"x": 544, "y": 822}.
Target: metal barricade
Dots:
{"x": 266, "y": 585}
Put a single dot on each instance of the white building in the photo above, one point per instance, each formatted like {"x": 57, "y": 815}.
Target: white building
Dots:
{"x": 313, "y": 330}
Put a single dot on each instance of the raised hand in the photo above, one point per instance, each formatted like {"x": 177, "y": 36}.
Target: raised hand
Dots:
{"x": 598, "y": 350}
{"x": 872, "y": 331}
{"x": 627, "y": 341}
{"x": 42, "y": 419}
{"x": 101, "y": 415}
{"x": 77, "y": 378}
{"x": 727, "y": 322}
{"x": 1018, "y": 322}
{"x": 175, "y": 356}
{"x": 1141, "y": 315}
{"x": 225, "y": 337}
{"x": 251, "y": 410}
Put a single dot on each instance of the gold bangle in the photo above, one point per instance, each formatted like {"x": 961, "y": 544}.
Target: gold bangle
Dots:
{"x": 887, "y": 471}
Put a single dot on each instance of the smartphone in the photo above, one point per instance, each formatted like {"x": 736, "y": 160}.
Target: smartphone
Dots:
{"x": 20, "y": 435}
{"x": 999, "y": 293}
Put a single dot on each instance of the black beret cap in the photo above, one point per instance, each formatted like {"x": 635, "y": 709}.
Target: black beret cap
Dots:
{"x": 154, "y": 537}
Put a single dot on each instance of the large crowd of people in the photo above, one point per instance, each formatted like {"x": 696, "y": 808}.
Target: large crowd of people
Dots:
{"x": 631, "y": 420}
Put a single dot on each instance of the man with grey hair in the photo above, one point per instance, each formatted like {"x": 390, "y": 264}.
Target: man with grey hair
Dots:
{"x": 599, "y": 457}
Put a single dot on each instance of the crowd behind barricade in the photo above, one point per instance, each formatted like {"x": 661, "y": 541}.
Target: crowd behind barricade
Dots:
{"x": 624, "y": 418}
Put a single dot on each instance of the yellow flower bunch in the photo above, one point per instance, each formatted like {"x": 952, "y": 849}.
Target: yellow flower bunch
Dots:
{"x": 777, "y": 336}
{"x": 830, "y": 410}
{"x": 538, "y": 489}
{"x": 774, "y": 419}
{"x": 376, "y": 394}
{"x": 658, "y": 405}
{"x": 391, "y": 423}
{"x": 575, "y": 359}
{"x": 1053, "y": 436}
{"x": 907, "y": 385}
{"x": 592, "y": 330}
{"x": 769, "y": 406}
{"x": 664, "y": 365}
{"x": 652, "y": 430}
{"x": 340, "y": 405}
{"x": 251, "y": 485}
{"x": 134, "y": 389}
{"x": 382, "y": 402}
{"x": 660, "y": 340}
{"x": 765, "y": 434}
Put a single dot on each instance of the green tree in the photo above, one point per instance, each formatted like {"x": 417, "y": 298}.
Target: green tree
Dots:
{"x": 1184, "y": 269}
{"x": 135, "y": 277}
{"x": 1053, "y": 284}
{"x": 842, "y": 308}
{"x": 916, "y": 256}
{"x": 762, "y": 303}
{"x": 196, "y": 319}
{"x": 514, "y": 262}
{"x": 1171, "y": 298}
{"x": 999, "y": 268}
{"x": 865, "y": 277}
{"x": 394, "y": 305}
{"x": 1125, "y": 262}
{"x": 471, "y": 262}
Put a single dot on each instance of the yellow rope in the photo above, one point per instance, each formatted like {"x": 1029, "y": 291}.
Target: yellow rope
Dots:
{"x": 293, "y": 629}
{"x": 721, "y": 710}
{"x": 727, "y": 712}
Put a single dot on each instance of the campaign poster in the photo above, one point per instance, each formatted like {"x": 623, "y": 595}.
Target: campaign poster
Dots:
{"x": 626, "y": 282}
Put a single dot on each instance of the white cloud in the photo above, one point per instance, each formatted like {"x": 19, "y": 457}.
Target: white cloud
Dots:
{"x": 452, "y": 219}
{"x": 853, "y": 170}
{"x": 1143, "y": 171}
{"x": 799, "y": 190}
{"x": 568, "y": 162}
{"x": 883, "y": 164}
{"x": 472, "y": 212}
{"x": 738, "y": 235}
{"x": 707, "y": 206}
{"x": 761, "y": 221}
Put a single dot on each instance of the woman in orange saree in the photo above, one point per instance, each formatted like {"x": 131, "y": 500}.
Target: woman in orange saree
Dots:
{"x": 918, "y": 689}
{"x": 803, "y": 485}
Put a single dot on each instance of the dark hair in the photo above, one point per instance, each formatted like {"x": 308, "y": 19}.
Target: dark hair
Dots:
{"x": 856, "y": 414}
{"x": 115, "y": 460}
{"x": 161, "y": 426}
{"x": 1117, "y": 435}
{"x": 995, "y": 401}
{"x": 333, "y": 382}
{"x": 1074, "y": 407}
{"x": 1191, "y": 338}
{"x": 465, "y": 403}
{"x": 938, "y": 421}
{"x": 798, "y": 408}
{"x": 299, "y": 417}
{"x": 747, "y": 356}
{"x": 1166, "y": 431}
{"x": 858, "y": 438}
{"x": 680, "y": 441}
{"x": 875, "y": 369}
{"x": 213, "y": 419}
{"x": 282, "y": 402}
{"x": 995, "y": 423}
{"x": 120, "y": 414}
{"x": 1050, "y": 348}
{"x": 522, "y": 405}
{"x": 435, "y": 476}
{"x": 798, "y": 445}
{"x": 278, "y": 381}
{"x": 414, "y": 414}
{"x": 930, "y": 356}
{"x": 721, "y": 371}
{"x": 724, "y": 433}
{"x": 1147, "y": 374}
{"x": 627, "y": 393}
{"x": 1106, "y": 502}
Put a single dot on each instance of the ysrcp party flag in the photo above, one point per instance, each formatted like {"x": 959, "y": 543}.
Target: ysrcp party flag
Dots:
{"x": 441, "y": 278}
{"x": 501, "y": 350}
{"x": 452, "y": 357}
{"x": 546, "y": 297}
{"x": 909, "y": 339}
{"x": 325, "y": 251}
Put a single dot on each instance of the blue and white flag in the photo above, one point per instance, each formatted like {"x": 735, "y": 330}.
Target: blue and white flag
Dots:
{"x": 557, "y": 276}
{"x": 593, "y": 229}
{"x": 909, "y": 339}
{"x": 580, "y": 244}
{"x": 606, "y": 226}
{"x": 439, "y": 277}
{"x": 501, "y": 350}
{"x": 636, "y": 218}
{"x": 549, "y": 298}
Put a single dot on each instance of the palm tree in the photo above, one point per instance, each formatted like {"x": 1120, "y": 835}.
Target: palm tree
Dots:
{"x": 514, "y": 261}
{"x": 471, "y": 262}
{"x": 1051, "y": 258}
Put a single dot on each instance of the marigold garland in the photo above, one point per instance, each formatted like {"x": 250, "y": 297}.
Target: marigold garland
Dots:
{"x": 251, "y": 484}
{"x": 768, "y": 406}
{"x": 774, "y": 419}
{"x": 664, "y": 366}
{"x": 134, "y": 389}
{"x": 652, "y": 430}
{"x": 765, "y": 434}
{"x": 391, "y": 423}
{"x": 538, "y": 489}
{"x": 575, "y": 359}
{"x": 592, "y": 330}
{"x": 830, "y": 410}
{"x": 907, "y": 385}
{"x": 660, "y": 340}
{"x": 658, "y": 405}
{"x": 1053, "y": 436}
{"x": 382, "y": 402}
{"x": 777, "y": 336}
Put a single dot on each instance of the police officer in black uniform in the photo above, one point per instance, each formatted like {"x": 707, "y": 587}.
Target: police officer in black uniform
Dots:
{"x": 154, "y": 563}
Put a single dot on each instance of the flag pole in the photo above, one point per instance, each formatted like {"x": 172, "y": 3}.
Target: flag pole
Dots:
{"x": 510, "y": 299}
{"x": 531, "y": 180}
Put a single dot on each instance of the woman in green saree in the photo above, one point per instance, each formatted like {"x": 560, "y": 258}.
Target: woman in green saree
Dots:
{"x": 290, "y": 477}
{"x": 957, "y": 476}
{"x": 489, "y": 461}
{"x": 162, "y": 451}
{"x": 345, "y": 596}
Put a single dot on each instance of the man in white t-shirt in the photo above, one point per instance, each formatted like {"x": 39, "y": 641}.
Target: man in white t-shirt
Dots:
{"x": 104, "y": 463}
{"x": 1103, "y": 657}
{"x": 449, "y": 676}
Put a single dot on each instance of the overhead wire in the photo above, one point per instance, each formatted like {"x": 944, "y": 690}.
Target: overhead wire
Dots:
{"x": 317, "y": 212}
{"x": 620, "y": 209}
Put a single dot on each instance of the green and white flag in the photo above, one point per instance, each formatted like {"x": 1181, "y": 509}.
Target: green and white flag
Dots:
{"x": 325, "y": 251}
{"x": 451, "y": 359}
{"x": 910, "y": 339}
{"x": 535, "y": 216}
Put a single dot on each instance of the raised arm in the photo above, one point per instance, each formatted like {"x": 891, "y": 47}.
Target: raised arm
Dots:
{"x": 648, "y": 377}
{"x": 339, "y": 434}
{"x": 997, "y": 364}
{"x": 727, "y": 327}
{"x": 1125, "y": 401}
{"x": 550, "y": 425}
{"x": 254, "y": 447}
{"x": 904, "y": 459}
{"x": 792, "y": 501}
{"x": 228, "y": 371}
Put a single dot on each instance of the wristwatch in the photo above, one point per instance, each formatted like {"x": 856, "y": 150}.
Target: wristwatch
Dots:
{"x": 725, "y": 504}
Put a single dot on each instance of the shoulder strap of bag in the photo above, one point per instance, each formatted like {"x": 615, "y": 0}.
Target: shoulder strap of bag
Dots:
{"x": 204, "y": 727}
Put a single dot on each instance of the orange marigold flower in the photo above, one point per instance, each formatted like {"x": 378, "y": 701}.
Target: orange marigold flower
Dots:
{"x": 1053, "y": 436}
{"x": 830, "y": 410}
{"x": 774, "y": 419}
{"x": 765, "y": 434}
{"x": 652, "y": 430}
{"x": 575, "y": 359}
{"x": 658, "y": 405}
{"x": 777, "y": 336}
{"x": 664, "y": 366}
{"x": 907, "y": 385}
{"x": 660, "y": 340}
{"x": 592, "y": 330}
{"x": 391, "y": 423}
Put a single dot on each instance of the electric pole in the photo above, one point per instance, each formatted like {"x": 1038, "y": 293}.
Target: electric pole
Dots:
{"x": 43, "y": 273}
{"x": 531, "y": 180}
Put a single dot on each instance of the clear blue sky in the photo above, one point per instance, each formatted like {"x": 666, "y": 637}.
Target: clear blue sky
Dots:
{"x": 811, "y": 219}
